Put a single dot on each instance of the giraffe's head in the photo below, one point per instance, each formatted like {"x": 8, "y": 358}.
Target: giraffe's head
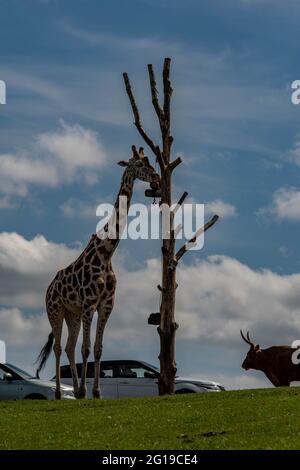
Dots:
{"x": 138, "y": 166}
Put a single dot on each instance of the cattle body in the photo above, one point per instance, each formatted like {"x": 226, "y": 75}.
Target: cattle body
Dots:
{"x": 275, "y": 362}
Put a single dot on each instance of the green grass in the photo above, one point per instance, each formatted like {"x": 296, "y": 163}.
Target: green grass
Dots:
{"x": 249, "y": 419}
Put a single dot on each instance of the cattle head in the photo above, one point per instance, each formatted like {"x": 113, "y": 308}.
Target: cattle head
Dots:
{"x": 252, "y": 360}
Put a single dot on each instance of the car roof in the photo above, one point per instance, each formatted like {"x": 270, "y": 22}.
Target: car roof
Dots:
{"x": 114, "y": 362}
{"x": 66, "y": 369}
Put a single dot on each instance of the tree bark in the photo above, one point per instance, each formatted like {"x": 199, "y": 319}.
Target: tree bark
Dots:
{"x": 168, "y": 326}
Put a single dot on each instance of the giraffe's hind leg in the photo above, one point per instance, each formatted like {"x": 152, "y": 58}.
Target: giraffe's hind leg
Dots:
{"x": 56, "y": 317}
{"x": 85, "y": 349}
{"x": 73, "y": 323}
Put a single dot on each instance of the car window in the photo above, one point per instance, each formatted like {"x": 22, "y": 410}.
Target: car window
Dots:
{"x": 105, "y": 371}
{"x": 131, "y": 371}
{"x": 89, "y": 371}
{"x": 65, "y": 372}
{"x": 2, "y": 375}
{"x": 17, "y": 373}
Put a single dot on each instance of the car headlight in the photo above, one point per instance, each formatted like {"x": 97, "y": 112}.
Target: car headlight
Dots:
{"x": 209, "y": 387}
{"x": 68, "y": 393}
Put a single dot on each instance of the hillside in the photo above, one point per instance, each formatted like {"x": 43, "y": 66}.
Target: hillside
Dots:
{"x": 250, "y": 419}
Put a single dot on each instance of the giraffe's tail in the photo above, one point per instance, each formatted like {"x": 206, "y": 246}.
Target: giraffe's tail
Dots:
{"x": 44, "y": 354}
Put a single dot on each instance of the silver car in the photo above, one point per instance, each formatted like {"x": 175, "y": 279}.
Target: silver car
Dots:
{"x": 16, "y": 384}
{"x": 128, "y": 378}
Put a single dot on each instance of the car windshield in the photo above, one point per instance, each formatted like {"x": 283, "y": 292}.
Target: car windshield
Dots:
{"x": 150, "y": 366}
{"x": 20, "y": 372}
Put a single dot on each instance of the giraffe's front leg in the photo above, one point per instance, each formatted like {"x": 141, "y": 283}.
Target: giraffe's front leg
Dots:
{"x": 104, "y": 312}
{"x": 73, "y": 324}
{"x": 85, "y": 349}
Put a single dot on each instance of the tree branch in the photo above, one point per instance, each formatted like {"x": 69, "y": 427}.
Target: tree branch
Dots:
{"x": 167, "y": 92}
{"x": 154, "y": 94}
{"x": 180, "y": 202}
{"x": 192, "y": 241}
{"x": 137, "y": 120}
{"x": 183, "y": 197}
{"x": 177, "y": 230}
{"x": 175, "y": 163}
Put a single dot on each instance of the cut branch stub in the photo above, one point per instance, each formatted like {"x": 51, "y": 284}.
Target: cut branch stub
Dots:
{"x": 175, "y": 163}
{"x": 180, "y": 202}
{"x": 177, "y": 230}
{"x": 192, "y": 241}
{"x": 183, "y": 197}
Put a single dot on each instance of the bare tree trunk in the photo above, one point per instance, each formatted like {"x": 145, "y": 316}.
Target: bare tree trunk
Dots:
{"x": 168, "y": 326}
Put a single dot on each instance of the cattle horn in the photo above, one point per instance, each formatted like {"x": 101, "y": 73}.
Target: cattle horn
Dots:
{"x": 247, "y": 340}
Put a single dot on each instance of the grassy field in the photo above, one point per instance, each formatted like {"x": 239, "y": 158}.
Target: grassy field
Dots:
{"x": 250, "y": 419}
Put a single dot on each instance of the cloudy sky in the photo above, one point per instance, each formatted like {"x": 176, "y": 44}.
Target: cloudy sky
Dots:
{"x": 67, "y": 122}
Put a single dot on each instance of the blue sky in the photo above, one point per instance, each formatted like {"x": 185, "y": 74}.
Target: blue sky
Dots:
{"x": 67, "y": 122}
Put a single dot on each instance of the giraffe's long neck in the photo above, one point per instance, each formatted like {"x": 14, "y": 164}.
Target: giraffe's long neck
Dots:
{"x": 121, "y": 209}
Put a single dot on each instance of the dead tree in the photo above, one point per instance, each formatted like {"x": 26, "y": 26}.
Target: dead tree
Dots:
{"x": 170, "y": 257}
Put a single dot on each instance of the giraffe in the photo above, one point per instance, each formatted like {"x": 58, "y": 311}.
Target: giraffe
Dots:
{"x": 88, "y": 285}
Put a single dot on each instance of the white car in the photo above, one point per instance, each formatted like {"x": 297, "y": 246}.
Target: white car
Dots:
{"x": 15, "y": 384}
{"x": 120, "y": 379}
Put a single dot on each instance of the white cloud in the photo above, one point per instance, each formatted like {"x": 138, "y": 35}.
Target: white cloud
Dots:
{"x": 56, "y": 158}
{"x": 27, "y": 266}
{"x": 20, "y": 330}
{"x": 17, "y": 172}
{"x": 215, "y": 299}
{"x": 36, "y": 256}
{"x": 285, "y": 204}
{"x": 221, "y": 208}
{"x": 74, "y": 146}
